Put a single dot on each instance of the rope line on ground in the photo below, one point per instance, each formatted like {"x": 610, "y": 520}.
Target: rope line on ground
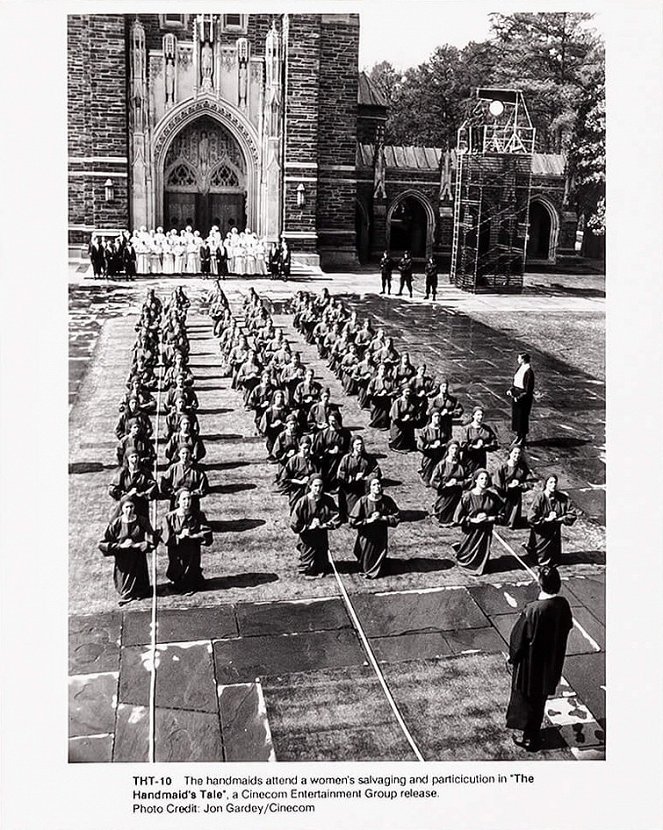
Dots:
{"x": 153, "y": 626}
{"x": 374, "y": 662}
{"x": 576, "y": 624}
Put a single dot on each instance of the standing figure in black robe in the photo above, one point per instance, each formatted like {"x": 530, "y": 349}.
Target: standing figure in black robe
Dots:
{"x": 129, "y": 538}
{"x": 402, "y": 415}
{"x": 379, "y": 392}
{"x": 549, "y": 510}
{"x": 449, "y": 480}
{"x": 355, "y": 470}
{"x": 184, "y": 531}
{"x": 312, "y": 517}
{"x": 405, "y": 267}
{"x": 511, "y": 480}
{"x": 537, "y": 648}
{"x": 386, "y": 268}
{"x": 476, "y": 513}
{"x": 132, "y": 482}
{"x": 477, "y": 439}
{"x": 372, "y": 516}
{"x": 432, "y": 445}
{"x": 522, "y": 396}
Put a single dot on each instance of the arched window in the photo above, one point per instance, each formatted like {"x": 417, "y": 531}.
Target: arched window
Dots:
{"x": 181, "y": 176}
{"x": 223, "y": 176}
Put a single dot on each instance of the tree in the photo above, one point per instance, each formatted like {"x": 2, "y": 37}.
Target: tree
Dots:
{"x": 587, "y": 154}
{"x": 545, "y": 56}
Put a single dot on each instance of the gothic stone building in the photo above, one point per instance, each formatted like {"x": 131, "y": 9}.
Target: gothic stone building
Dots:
{"x": 262, "y": 121}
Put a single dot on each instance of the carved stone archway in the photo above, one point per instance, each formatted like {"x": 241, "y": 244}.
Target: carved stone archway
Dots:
{"x": 428, "y": 209}
{"x": 550, "y": 254}
{"x": 230, "y": 118}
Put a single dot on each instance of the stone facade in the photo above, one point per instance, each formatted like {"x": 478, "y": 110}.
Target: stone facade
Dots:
{"x": 282, "y": 87}
{"x": 283, "y": 91}
{"x": 97, "y": 137}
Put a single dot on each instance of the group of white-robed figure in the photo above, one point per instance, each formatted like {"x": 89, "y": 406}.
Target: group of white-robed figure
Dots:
{"x": 174, "y": 252}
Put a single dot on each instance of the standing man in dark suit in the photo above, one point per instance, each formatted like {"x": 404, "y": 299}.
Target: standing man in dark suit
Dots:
{"x": 221, "y": 260}
{"x": 522, "y": 396}
{"x": 285, "y": 261}
{"x": 405, "y": 267}
{"x": 97, "y": 257}
{"x": 537, "y": 649}
{"x": 205, "y": 259}
{"x": 386, "y": 267}
{"x": 129, "y": 257}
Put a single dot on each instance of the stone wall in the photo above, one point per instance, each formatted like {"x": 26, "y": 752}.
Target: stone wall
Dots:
{"x": 97, "y": 123}
{"x": 301, "y": 139}
{"x": 337, "y": 139}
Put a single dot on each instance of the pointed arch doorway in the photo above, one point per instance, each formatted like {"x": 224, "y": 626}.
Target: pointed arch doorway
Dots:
{"x": 205, "y": 179}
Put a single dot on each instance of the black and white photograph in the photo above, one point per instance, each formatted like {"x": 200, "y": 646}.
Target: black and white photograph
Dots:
{"x": 337, "y": 389}
{"x": 327, "y": 472}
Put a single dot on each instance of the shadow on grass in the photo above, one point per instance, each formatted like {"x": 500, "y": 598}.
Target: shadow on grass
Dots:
{"x": 235, "y": 525}
{"x": 560, "y": 442}
{"x": 247, "y": 580}
{"x": 504, "y": 564}
{"x": 226, "y": 465}
{"x": 413, "y": 515}
{"x": 583, "y": 557}
{"x": 81, "y": 467}
{"x": 231, "y": 488}
{"x": 417, "y": 564}
{"x": 222, "y": 436}
{"x": 391, "y": 482}
{"x": 218, "y": 411}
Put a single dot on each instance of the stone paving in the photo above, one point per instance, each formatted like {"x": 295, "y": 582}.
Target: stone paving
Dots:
{"x": 223, "y": 668}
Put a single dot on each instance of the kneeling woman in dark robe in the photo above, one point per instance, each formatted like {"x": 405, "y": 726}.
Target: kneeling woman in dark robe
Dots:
{"x": 512, "y": 479}
{"x": 355, "y": 471}
{"x": 403, "y": 415}
{"x": 548, "y": 512}
{"x": 129, "y": 538}
{"x": 449, "y": 480}
{"x": 372, "y": 516}
{"x": 312, "y": 517}
{"x": 476, "y": 513}
{"x": 537, "y": 649}
{"x": 184, "y": 531}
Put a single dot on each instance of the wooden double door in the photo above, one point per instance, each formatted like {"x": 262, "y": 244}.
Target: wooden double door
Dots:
{"x": 202, "y": 210}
